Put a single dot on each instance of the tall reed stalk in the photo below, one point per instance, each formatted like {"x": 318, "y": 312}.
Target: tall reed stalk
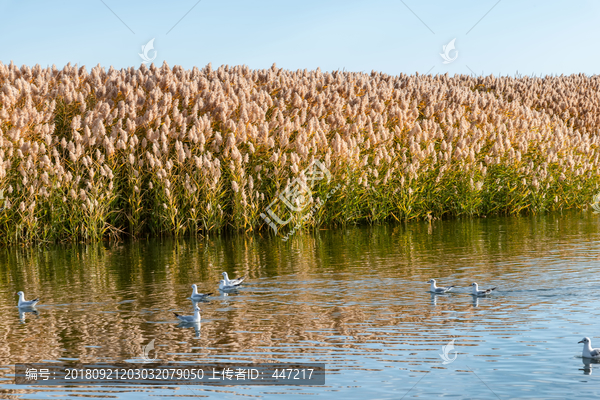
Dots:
{"x": 89, "y": 155}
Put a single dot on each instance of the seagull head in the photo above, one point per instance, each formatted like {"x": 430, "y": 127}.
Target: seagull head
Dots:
{"x": 20, "y": 294}
{"x": 474, "y": 284}
{"x": 584, "y": 340}
{"x": 431, "y": 281}
{"x": 196, "y": 308}
{"x": 224, "y": 274}
{"x": 194, "y": 286}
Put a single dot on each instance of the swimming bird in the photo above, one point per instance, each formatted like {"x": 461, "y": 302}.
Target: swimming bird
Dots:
{"x": 441, "y": 289}
{"x": 190, "y": 318}
{"x": 477, "y": 292}
{"x": 198, "y": 296}
{"x": 588, "y": 352}
{"x": 226, "y": 283}
{"x": 26, "y": 303}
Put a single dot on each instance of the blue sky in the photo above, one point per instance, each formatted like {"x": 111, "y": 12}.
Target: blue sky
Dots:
{"x": 400, "y": 36}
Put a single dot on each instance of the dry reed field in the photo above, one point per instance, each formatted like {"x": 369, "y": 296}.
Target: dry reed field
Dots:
{"x": 90, "y": 155}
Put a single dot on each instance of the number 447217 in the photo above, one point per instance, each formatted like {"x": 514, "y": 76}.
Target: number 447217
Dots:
{"x": 291, "y": 373}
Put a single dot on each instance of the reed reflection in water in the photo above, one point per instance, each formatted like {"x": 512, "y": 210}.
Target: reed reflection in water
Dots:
{"x": 354, "y": 298}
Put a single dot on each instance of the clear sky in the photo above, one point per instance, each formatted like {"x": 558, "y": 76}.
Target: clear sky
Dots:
{"x": 492, "y": 37}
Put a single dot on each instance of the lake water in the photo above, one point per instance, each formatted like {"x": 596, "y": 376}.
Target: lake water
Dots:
{"x": 355, "y": 299}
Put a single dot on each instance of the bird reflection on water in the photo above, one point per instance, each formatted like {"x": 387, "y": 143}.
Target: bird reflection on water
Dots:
{"x": 195, "y": 325}
{"x": 587, "y": 365}
{"x": 24, "y": 311}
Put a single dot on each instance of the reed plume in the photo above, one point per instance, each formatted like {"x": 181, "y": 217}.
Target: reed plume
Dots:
{"x": 86, "y": 155}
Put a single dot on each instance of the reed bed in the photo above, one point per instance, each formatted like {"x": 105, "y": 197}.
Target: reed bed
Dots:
{"x": 86, "y": 156}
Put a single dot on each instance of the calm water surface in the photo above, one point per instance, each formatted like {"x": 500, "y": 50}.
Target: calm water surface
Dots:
{"x": 353, "y": 298}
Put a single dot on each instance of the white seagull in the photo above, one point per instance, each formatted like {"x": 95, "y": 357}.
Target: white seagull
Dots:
{"x": 588, "y": 352}
{"x": 26, "y": 303}
{"x": 225, "y": 283}
{"x": 190, "y": 319}
{"x": 441, "y": 289}
{"x": 477, "y": 292}
{"x": 198, "y": 296}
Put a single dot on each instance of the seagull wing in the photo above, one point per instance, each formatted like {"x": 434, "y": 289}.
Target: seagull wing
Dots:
{"x": 184, "y": 318}
{"x": 236, "y": 282}
{"x": 595, "y": 353}
{"x": 200, "y": 295}
{"x": 30, "y": 303}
